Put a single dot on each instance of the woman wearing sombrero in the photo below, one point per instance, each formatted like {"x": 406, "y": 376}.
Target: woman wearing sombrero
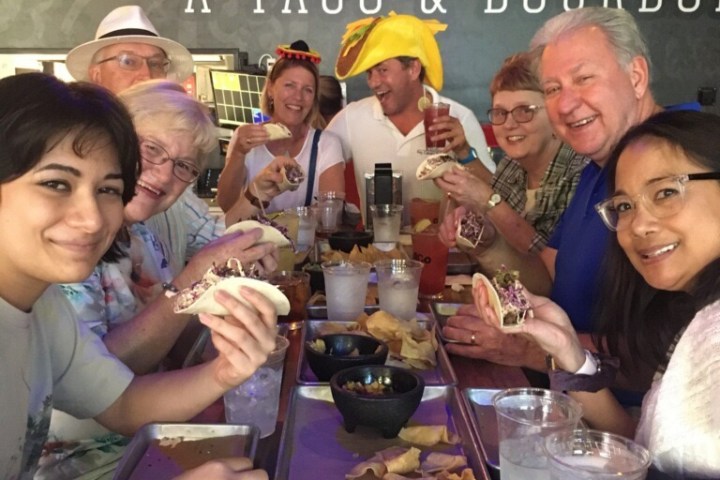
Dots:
{"x": 254, "y": 167}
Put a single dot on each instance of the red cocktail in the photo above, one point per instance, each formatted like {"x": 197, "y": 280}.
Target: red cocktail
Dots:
{"x": 428, "y": 249}
{"x": 432, "y": 112}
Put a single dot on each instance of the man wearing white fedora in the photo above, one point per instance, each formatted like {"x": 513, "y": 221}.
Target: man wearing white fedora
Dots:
{"x": 127, "y": 49}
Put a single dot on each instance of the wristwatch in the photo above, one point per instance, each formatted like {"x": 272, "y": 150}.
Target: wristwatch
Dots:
{"x": 495, "y": 198}
{"x": 471, "y": 156}
{"x": 254, "y": 201}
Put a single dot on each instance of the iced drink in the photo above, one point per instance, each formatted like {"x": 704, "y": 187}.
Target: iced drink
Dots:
{"x": 421, "y": 208}
{"x": 296, "y": 287}
{"x": 329, "y": 212}
{"x": 432, "y": 112}
{"x": 398, "y": 282}
{"x": 256, "y": 401}
{"x": 433, "y": 254}
{"x": 386, "y": 220}
{"x": 345, "y": 289}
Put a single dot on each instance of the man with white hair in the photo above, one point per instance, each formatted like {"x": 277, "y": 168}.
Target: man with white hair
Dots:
{"x": 128, "y": 49}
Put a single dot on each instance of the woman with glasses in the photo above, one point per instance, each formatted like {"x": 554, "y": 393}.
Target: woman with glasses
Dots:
{"x": 661, "y": 307}
{"x": 249, "y": 183}
{"x": 534, "y": 181}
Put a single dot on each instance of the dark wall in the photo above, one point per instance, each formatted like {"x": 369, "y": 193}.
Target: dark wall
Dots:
{"x": 685, "y": 45}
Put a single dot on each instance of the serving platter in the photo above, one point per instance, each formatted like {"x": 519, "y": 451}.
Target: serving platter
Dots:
{"x": 314, "y": 443}
{"x": 441, "y": 374}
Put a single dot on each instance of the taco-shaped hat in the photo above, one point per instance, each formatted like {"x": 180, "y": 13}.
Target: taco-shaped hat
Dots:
{"x": 370, "y": 41}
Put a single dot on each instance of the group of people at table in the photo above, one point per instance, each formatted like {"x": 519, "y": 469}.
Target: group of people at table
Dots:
{"x": 602, "y": 208}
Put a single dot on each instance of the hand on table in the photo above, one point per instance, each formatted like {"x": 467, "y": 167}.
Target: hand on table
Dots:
{"x": 238, "y": 468}
{"x": 243, "y": 339}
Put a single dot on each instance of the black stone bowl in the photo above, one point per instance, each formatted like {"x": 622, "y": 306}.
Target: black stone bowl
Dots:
{"x": 388, "y": 412}
{"x": 337, "y": 356}
{"x": 345, "y": 241}
{"x": 317, "y": 277}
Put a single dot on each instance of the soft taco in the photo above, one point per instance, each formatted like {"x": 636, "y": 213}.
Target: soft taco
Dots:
{"x": 272, "y": 232}
{"x": 276, "y": 131}
{"x": 506, "y": 296}
{"x": 435, "y": 165}
{"x": 470, "y": 230}
{"x": 293, "y": 176}
{"x": 200, "y": 296}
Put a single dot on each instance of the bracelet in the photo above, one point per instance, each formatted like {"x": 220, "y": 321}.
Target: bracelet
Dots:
{"x": 606, "y": 368}
{"x": 471, "y": 156}
{"x": 170, "y": 289}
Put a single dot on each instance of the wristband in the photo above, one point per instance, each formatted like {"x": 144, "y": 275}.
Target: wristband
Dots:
{"x": 471, "y": 156}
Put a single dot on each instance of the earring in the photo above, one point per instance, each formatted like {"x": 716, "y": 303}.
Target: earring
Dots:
{"x": 271, "y": 102}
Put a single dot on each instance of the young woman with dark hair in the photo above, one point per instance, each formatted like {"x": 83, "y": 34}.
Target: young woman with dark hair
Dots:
{"x": 661, "y": 304}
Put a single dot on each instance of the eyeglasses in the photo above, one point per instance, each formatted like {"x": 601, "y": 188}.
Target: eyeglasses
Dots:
{"x": 157, "y": 65}
{"x": 153, "y": 153}
{"x": 663, "y": 198}
{"x": 521, "y": 114}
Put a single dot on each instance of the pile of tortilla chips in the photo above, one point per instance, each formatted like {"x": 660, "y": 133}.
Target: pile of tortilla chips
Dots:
{"x": 409, "y": 342}
{"x": 368, "y": 254}
{"x": 395, "y": 462}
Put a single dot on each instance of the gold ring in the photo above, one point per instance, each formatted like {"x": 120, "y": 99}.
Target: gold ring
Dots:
{"x": 472, "y": 339}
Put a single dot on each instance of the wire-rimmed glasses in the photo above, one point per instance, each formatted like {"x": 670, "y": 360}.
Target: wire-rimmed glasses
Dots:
{"x": 184, "y": 169}
{"x": 158, "y": 65}
{"x": 521, "y": 114}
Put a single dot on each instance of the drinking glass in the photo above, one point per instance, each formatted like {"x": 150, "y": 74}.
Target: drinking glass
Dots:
{"x": 424, "y": 208}
{"x": 398, "y": 283}
{"x": 595, "y": 455}
{"x": 433, "y": 111}
{"x": 256, "y": 400}
{"x": 526, "y": 416}
{"x": 386, "y": 220}
{"x": 296, "y": 287}
{"x": 345, "y": 289}
{"x": 306, "y": 226}
{"x": 329, "y": 210}
{"x": 428, "y": 249}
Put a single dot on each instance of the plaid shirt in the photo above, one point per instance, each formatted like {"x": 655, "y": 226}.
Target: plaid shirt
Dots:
{"x": 551, "y": 199}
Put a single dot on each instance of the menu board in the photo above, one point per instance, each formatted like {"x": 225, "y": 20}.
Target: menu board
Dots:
{"x": 237, "y": 97}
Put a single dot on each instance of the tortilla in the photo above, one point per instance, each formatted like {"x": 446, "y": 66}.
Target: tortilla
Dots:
{"x": 470, "y": 230}
{"x": 390, "y": 460}
{"x": 270, "y": 234}
{"x": 428, "y": 435}
{"x": 293, "y": 176}
{"x": 438, "y": 461}
{"x": 277, "y": 131}
{"x": 506, "y": 296}
{"x": 435, "y": 165}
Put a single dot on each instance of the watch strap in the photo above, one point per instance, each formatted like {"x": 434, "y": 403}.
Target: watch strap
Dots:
{"x": 471, "y": 156}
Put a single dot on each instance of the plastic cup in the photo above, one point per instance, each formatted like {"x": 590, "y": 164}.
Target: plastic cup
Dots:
{"x": 329, "y": 211}
{"x": 526, "y": 416}
{"x": 386, "y": 221}
{"x": 432, "y": 112}
{"x": 421, "y": 208}
{"x": 345, "y": 289}
{"x": 256, "y": 400}
{"x": 306, "y": 226}
{"x": 595, "y": 455}
{"x": 398, "y": 283}
{"x": 296, "y": 287}
{"x": 433, "y": 254}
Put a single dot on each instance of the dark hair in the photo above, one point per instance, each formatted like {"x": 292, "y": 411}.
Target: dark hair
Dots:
{"x": 38, "y": 111}
{"x": 636, "y": 317}
{"x": 331, "y": 97}
{"x": 406, "y": 61}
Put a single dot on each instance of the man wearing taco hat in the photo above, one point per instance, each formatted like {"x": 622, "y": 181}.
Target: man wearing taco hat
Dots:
{"x": 127, "y": 50}
{"x": 404, "y": 71}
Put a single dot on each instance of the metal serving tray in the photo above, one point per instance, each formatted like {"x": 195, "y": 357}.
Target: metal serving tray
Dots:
{"x": 320, "y": 311}
{"x": 484, "y": 425}
{"x": 442, "y": 374}
{"x": 243, "y": 442}
{"x": 441, "y": 311}
{"x": 314, "y": 442}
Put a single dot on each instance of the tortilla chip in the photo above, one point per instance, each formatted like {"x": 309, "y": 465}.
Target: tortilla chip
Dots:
{"x": 466, "y": 474}
{"x": 397, "y": 462}
{"x": 420, "y": 355}
{"x": 438, "y": 461}
{"x": 428, "y": 435}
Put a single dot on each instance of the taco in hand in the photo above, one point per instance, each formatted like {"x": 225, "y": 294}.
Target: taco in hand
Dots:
{"x": 435, "y": 165}
{"x": 200, "y": 296}
{"x": 277, "y": 131}
{"x": 273, "y": 232}
{"x": 506, "y": 296}
{"x": 293, "y": 176}
{"x": 470, "y": 230}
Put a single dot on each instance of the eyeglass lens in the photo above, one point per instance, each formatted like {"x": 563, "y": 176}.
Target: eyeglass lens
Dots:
{"x": 130, "y": 61}
{"x": 521, "y": 114}
{"x": 662, "y": 199}
{"x": 157, "y": 155}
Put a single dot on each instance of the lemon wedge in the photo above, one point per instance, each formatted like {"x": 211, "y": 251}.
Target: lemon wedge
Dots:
{"x": 422, "y": 225}
{"x": 423, "y": 103}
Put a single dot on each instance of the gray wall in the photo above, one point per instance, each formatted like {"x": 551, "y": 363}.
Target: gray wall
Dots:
{"x": 685, "y": 45}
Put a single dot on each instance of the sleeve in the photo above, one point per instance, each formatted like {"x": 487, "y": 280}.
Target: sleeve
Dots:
{"x": 89, "y": 378}
{"x": 88, "y": 301}
{"x": 202, "y": 227}
{"x": 339, "y": 127}
{"x": 329, "y": 151}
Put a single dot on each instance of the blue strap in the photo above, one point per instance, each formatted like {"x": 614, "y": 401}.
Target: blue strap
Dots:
{"x": 311, "y": 168}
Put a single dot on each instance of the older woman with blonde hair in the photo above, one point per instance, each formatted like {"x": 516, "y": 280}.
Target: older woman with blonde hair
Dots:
{"x": 250, "y": 180}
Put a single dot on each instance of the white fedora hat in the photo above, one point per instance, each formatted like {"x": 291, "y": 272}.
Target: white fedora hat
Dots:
{"x": 129, "y": 24}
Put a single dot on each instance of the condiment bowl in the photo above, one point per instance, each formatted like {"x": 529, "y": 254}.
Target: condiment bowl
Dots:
{"x": 344, "y": 350}
{"x": 345, "y": 241}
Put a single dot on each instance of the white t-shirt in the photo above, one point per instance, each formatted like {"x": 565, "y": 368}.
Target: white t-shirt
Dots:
{"x": 47, "y": 358}
{"x": 329, "y": 154}
{"x": 368, "y": 137}
{"x": 680, "y": 422}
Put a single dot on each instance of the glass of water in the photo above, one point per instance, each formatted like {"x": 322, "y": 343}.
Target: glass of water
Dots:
{"x": 386, "y": 220}
{"x": 398, "y": 284}
{"x": 595, "y": 455}
{"x": 345, "y": 289}
{"x": 526, "y": 416}
{"x": 256, "y": 401}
